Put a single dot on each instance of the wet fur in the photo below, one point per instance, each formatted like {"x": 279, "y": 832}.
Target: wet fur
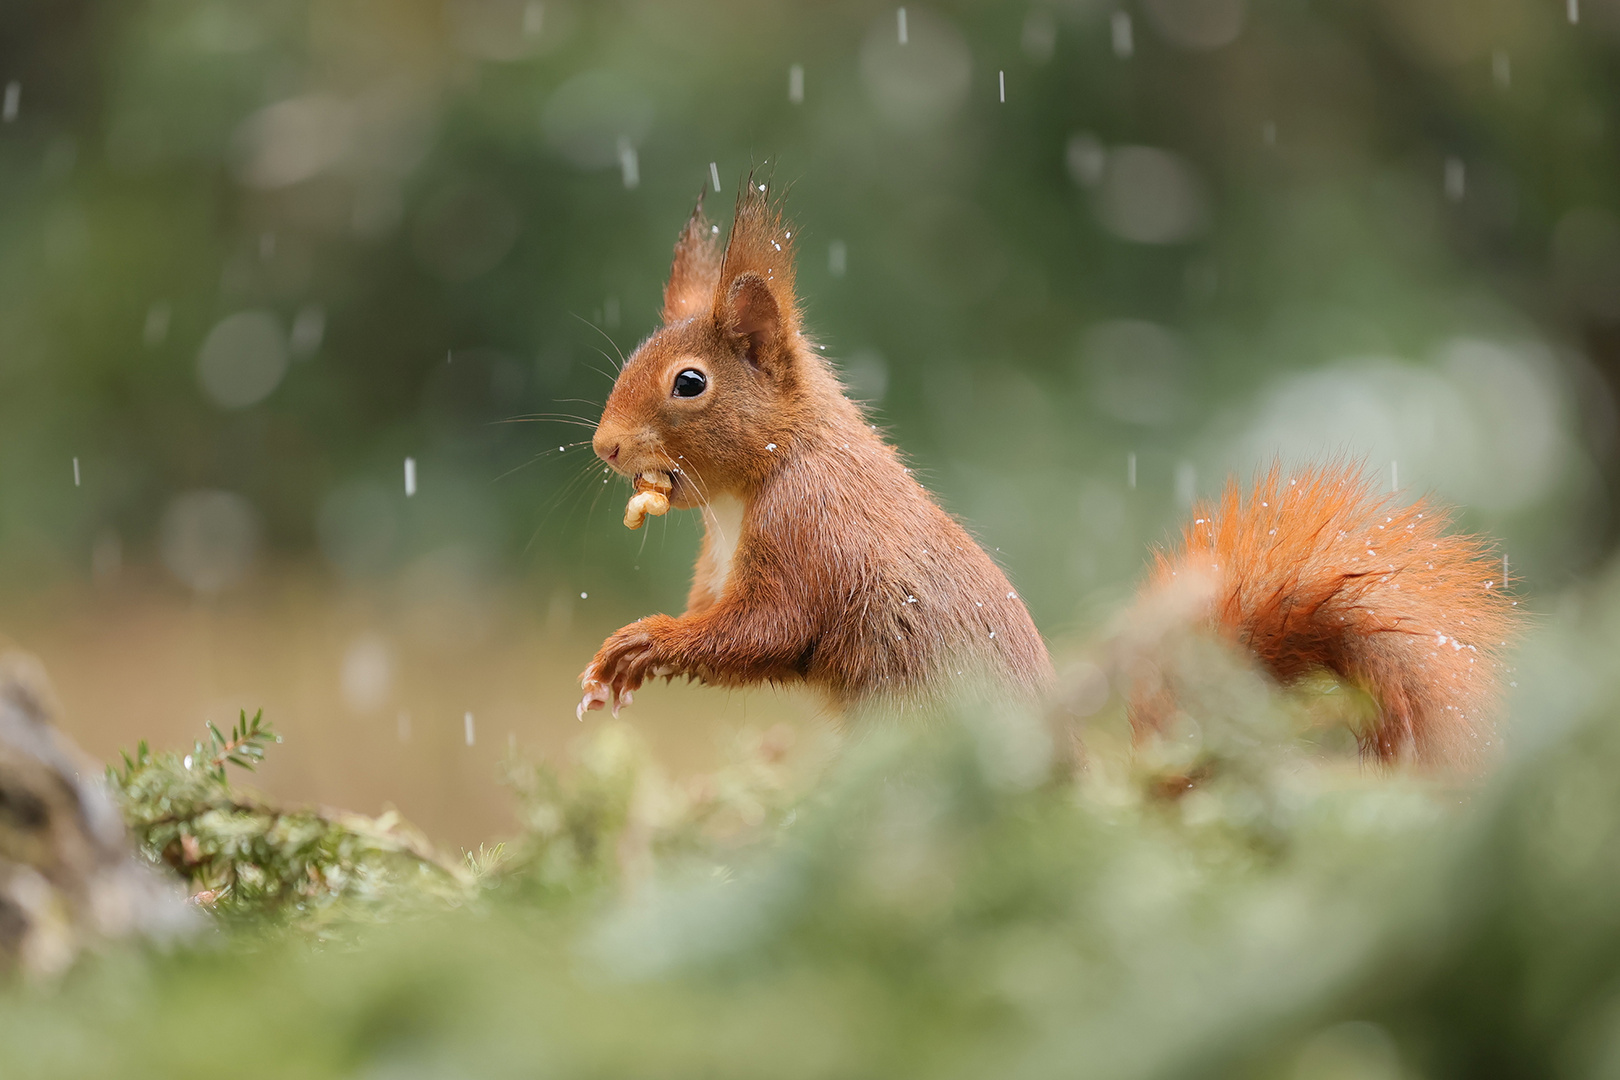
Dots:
{"x": 1315, "y": 572}
{"x": 847, "y": 575}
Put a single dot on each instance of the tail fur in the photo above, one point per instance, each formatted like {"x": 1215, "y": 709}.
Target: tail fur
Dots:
{"x": 1314, "y": 571}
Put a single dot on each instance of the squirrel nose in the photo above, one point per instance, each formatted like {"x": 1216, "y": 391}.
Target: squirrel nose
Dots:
{"x": 606, "y": 447}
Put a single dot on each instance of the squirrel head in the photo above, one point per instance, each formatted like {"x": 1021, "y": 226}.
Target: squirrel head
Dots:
{"x": 718, "y": 389}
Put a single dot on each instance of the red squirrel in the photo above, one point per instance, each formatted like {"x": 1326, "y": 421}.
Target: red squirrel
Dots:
{"x": 825, "y": 562}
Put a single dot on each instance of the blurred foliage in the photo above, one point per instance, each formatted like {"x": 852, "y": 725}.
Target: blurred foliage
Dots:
{"x": 247, "y": 859}
{"x": 1238, "y": 897}
{"x": 325, "y": 872}
{"x": 618, "y": 815}
{"x": 271, "y": 249}
{"x": 1235, "y": 899}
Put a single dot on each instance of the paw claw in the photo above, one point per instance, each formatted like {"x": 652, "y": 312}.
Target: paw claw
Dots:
{"x": 596, "y": 696}
{"x": 619, "y": 668}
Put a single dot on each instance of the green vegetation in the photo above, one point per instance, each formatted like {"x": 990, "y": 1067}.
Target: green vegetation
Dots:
{"x": 241, "y": 856}
{"x": 1237, "y": 899}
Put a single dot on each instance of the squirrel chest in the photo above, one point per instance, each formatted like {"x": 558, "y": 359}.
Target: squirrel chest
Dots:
{"x": 722, "y": 522}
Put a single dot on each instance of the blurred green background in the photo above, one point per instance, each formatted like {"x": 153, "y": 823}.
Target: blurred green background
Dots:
{"x": 255, "y": 255}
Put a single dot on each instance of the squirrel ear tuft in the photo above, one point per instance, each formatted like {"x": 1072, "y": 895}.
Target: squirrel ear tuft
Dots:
{"x": 754, "y": 294}
{"x": 696, "y": 270}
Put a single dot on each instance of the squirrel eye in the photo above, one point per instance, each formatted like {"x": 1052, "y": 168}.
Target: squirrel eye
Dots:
{"x": 690, "y": 383}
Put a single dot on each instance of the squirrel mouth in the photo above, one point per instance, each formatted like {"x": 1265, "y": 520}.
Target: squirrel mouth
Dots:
{"x": 664, "y": 480}
{"x": 669, "y": 480}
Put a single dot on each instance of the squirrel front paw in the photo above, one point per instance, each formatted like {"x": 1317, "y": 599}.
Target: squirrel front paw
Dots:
{"x": 621, "y": 666}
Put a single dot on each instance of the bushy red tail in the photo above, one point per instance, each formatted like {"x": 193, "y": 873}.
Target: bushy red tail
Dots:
{"x": 1315, "y": 571}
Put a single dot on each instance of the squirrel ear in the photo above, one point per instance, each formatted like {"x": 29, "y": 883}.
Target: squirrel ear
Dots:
{"x": 754, "y": 293}
{"x": 751, "y": 312}
{"x": 696, "y": 270}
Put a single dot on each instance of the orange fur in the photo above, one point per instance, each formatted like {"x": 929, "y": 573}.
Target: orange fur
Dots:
{"x": 1316, "y": 572}
{"x": 760, "y": 245}
{"x": 696, "y": 269}
{"x": 824, "y": 562}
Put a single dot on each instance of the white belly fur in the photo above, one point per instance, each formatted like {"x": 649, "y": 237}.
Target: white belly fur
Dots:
{"x": 723, "y": 520}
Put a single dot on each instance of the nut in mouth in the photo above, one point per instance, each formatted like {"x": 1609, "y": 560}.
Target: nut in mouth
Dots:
{"x": 652, "y": 497}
